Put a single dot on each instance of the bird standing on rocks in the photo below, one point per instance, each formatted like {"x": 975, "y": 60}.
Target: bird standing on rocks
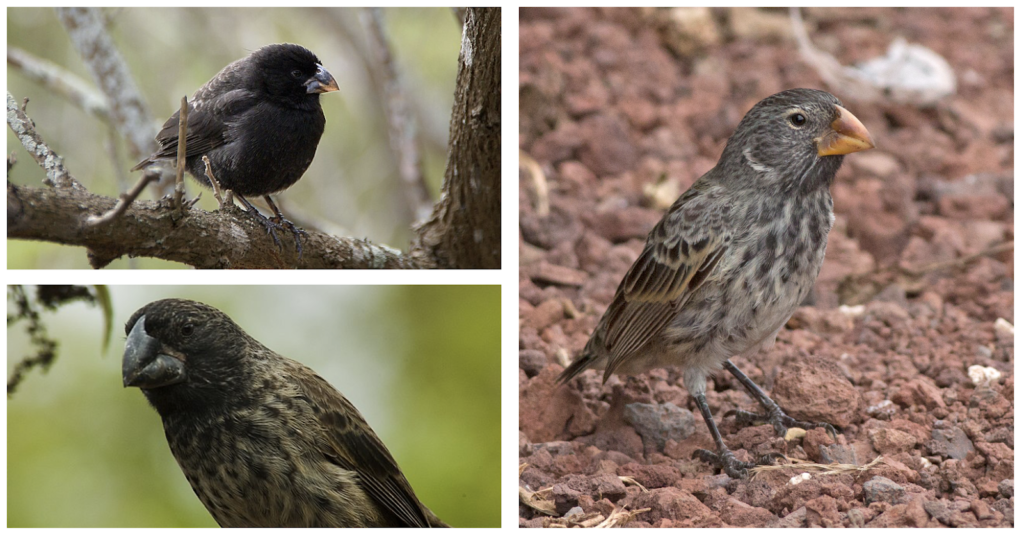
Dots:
{"x": 259, "y": 122}
{"x": 263, "y": 440}
{"x": 733, "y": 257}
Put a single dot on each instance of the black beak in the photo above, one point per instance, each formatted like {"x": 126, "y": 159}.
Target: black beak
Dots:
{"x": 144, "y": 366}
{"x": 321, "y": 82}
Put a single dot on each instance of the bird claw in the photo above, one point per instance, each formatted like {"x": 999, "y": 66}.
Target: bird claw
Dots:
{"x": 286, "y": 224}
{"x": 725, "y": 461}
{"x": 277, "y": 222}
{"x": 781, "y": 422}
{"x": 269, "y": 224}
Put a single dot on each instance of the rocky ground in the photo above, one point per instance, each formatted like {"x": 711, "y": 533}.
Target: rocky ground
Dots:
{"x": 906, "y": 344}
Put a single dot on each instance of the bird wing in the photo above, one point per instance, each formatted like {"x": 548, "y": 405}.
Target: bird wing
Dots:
{"x": 678, "y": 258}
{"x": 355, "y": 447}
{"x": 207, "y": 125}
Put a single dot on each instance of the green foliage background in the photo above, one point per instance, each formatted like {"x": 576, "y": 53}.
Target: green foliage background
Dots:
{"x": 420, "y": 362}
{"x": 351, "y": 189}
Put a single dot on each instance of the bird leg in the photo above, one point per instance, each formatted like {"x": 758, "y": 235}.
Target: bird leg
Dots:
{"x": 774, "y": 414}
{"x": 287, "y": 224}
{"x": 269, "y": 224}
{"x": 723, "y": 457}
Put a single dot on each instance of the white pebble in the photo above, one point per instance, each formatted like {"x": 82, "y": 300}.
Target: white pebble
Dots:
{"x": 983, "y": 375}
{"x": 855, "y": 311}
{"x": 1004, "y": 326}
{"x": 799, "y": 478}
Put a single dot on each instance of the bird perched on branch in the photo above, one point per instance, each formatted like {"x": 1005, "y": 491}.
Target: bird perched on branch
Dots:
{"x": 259, "y": 122}
{"x": 263, "y": 440}
{"x": 733, "y": 257}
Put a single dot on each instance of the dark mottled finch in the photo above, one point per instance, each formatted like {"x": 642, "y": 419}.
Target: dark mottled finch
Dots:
{"x": 733, "y": 257}
{"x": 259, "y": 122}
{"x": 263, "y": 440}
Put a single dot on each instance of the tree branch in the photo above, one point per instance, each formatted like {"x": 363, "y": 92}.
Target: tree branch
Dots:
{"x": 88, "y": 33}
{"x": 206, "y": 240}
{"x": 24, "y": 128}
{"x": 401, "y": 122}
{"x": 59, "y": 80}
{"x": 465, "y": 228}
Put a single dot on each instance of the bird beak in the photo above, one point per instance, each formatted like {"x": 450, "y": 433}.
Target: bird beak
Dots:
{"x": 847, "y": 135}
{"x": 321, "y": 82}
{"x": 144, "y": 366}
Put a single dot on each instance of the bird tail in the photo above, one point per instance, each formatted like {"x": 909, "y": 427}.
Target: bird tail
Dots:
{"x": 146, "y": 162}
{"x": 584, "y": 361}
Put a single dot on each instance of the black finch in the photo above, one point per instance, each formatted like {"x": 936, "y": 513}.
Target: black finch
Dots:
{"x": 263, "y": 440}
{"x": 259, "y": 122}
{"x": 733, "y": 257}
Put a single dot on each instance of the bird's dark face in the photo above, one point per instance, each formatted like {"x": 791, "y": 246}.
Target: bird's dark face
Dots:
{"x": 292, "y": 74}
{"x": 184, "y": 355}
{"x": 792, "y": 131}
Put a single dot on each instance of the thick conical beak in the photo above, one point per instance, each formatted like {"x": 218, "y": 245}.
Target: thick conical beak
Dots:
{"x": 321, "y": 82}
{"x": 847, "y": 135}
{"x": 143, "y": 365}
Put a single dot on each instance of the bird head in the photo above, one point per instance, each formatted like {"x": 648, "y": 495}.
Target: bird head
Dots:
{"x": 792, "y": 132}
{"x": 292, "y": 74}
{"x": 184, "y": 354}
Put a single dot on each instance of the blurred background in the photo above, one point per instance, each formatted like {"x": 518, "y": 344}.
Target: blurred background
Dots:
{"x": 421, "y": 363}
{"x": 351, "y": 189}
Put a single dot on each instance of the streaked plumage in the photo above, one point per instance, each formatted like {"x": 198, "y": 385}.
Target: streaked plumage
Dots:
{"x": 263, "y": 440}
{"x": 734, "y": 256}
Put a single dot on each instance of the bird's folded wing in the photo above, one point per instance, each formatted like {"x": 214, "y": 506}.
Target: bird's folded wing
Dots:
{"x": 357, "y": 448}
{"x": 671, "y": 267}
{"x": 207, "y": 128}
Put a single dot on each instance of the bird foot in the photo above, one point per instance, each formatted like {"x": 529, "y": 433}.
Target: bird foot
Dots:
{"x": 780, "y": 421}
{"x": 733, "y": 467}
{"x": 269, "y": 224}
{"x": 286, "y": 224}
{"x": 275, "y": 223}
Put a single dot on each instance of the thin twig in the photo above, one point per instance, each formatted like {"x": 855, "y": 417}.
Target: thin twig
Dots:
{"x": 179, "y": 178}
{"x": 961, "y": 261}
{"x": 60, "y": 81}
{"x": 401, "y": 122}
{"x": 825, "y": 469}
{"x": 223, "y": 196}
{"x": 24, "y": 128}
{"x": 124, "y": 200}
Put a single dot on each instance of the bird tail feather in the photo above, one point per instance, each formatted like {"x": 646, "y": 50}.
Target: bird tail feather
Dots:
{"x": 584, "y": 361}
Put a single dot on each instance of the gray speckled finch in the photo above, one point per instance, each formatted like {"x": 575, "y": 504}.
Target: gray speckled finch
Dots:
{"x": 263, "y": 440}
{"x": 733, "y": 257}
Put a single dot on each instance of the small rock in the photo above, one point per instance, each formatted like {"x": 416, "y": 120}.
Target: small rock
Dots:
{"x": 656, "y": 424}
{"x": 983, "y": 375}
{"x": 532, "y": 361}
{"x": 799, "y": 478}
{"x": 881, "y": 489}
{"x": 565, "y": 498}
{"x": 1006, "y": 488}
{"x": 950, "y": 442}
{"x": 1004, "y": 327}
{"x": 981, "y": 510}
{"x": 891, "y": 441}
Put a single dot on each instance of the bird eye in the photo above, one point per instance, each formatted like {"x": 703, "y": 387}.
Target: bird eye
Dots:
{"x": 187, "y": 329}
{"x": 798, "y": 119}
{"x": 297, "y": 73}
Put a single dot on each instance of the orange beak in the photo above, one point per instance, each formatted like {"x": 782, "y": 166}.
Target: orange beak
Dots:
{"x": 847, "y": 135}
